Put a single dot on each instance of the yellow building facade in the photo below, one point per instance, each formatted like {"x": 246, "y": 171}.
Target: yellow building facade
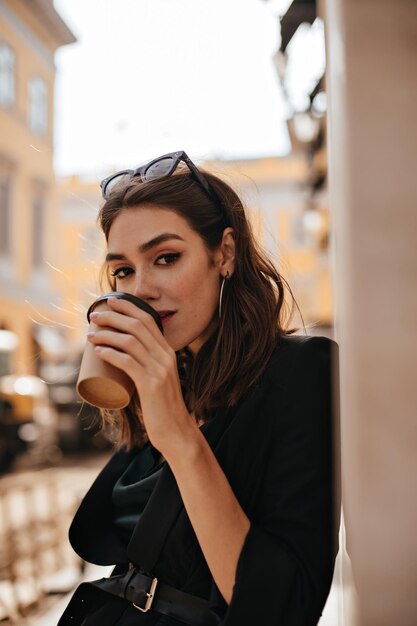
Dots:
{"x": 295, "y": 233}
{"x": 82, "y": 251}
{"x": 30, "y": 33}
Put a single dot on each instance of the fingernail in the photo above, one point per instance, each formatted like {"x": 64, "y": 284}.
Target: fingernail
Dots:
{"x": 94, "y": 315}
{"x": 91, "y": 334}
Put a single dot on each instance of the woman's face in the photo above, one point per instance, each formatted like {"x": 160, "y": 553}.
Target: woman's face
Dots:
{"x": 155, "y": 255}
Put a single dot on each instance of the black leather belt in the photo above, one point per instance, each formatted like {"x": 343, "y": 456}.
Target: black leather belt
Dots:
{"x": 146, "y": 593}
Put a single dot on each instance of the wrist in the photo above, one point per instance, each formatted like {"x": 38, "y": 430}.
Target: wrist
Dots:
{"x": 186, "y": 448}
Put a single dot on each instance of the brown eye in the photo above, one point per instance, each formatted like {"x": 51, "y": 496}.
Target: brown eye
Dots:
{"x": 168, "y": 259}
{"x": 121, "y": 272}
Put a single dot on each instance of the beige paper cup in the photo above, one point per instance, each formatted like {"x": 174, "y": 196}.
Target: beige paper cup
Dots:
{"x": 99, "y": 383}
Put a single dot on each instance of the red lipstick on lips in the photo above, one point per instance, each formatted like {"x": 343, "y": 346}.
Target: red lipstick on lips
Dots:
{"x": 166, "y": 316}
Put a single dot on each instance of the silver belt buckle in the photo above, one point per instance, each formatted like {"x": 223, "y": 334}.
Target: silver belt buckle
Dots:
{"x": 151, "y": 595}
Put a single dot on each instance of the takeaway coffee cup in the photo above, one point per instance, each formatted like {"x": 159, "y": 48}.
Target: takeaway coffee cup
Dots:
{"x": 99, "y": 383}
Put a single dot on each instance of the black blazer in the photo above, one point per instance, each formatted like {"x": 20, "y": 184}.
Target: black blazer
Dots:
{"x": 275, "y": 448}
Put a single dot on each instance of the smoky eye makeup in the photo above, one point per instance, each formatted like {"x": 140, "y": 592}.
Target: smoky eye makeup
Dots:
{"x": 121, "y": 272}
{"x": 169, "y": 258}
{"x": 165, "y": 259}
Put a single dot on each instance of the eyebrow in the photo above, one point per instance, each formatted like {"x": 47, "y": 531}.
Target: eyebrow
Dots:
{"x": 145, "y": 247}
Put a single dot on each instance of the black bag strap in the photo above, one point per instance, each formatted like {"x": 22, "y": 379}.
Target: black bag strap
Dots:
{"x": 148, "y": 593}
{"x": 145, "y": 593}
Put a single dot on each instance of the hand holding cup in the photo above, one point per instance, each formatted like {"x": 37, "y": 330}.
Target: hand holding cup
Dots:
{"x": 100, "y": 383}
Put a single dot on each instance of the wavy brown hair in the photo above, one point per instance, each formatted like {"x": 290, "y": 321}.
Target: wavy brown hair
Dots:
{"x": 255, "y": 312}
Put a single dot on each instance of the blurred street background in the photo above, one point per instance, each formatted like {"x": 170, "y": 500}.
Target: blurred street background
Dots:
{"x": 88, "y": 87}
{"x": 38, "y": 567}
{"x": 60, "y": 136}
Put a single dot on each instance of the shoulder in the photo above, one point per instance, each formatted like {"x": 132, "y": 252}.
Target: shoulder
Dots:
{"x": 299, "y": 353}
{"x": 296, "y": 344}
{"x": 298, "y": 363}
{"x": 297, "y": 391}
{"x": 301, "y": 367}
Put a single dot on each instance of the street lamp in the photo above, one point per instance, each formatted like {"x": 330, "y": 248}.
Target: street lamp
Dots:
{"x": 8, "y": 341}
{"x": 306, "y": 126}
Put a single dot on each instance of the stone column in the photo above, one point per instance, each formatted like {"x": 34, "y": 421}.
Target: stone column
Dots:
{"x": 372, "y": 87}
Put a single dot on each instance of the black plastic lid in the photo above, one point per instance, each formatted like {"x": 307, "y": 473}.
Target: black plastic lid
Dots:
{"x": 141, "y": 304}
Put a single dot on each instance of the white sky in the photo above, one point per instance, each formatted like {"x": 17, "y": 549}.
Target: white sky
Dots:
{"x": 152, "y": 76}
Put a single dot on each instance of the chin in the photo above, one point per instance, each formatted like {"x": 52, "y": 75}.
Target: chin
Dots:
{"x": 180, "y": 345}
{"x": 176, "y": 344}
{"x": 192, "y": 342}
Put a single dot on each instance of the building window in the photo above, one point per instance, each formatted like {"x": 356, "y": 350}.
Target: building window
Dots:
{"x": 38, "y": 105}
{"x": 4, "y": 217}
{"x": 7, "y": 75}
{"x": 298, "y": 232}
{"x": 8, "y": 343}
{"x": 38, "y": 208}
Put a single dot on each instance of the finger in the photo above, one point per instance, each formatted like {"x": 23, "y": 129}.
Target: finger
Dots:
{"x": 152, "y": 360}
{"x": 122, "y": 342}
{"x": 156, "y": 375}
{"x": 122, "y": 360}
{"x": 128, "y": 308}
{"x": 138, "y": 326}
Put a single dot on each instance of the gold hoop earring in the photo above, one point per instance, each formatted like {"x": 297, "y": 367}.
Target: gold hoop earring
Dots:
{"x": 225, "y": 277}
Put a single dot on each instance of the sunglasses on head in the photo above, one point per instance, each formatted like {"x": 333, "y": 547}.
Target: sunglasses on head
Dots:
{"x": 160, "y": 167}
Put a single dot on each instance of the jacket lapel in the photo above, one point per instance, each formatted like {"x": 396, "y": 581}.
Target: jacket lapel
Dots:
{"x": 91, "y": 533}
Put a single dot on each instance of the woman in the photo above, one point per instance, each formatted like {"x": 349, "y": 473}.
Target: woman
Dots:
{"x": 218, "y": 506}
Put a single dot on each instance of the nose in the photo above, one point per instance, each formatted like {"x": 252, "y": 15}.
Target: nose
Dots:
{"x": 144, "y": 286}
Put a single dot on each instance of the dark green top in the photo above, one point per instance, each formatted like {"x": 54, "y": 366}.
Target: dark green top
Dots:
{"x": 133, "y": 489}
